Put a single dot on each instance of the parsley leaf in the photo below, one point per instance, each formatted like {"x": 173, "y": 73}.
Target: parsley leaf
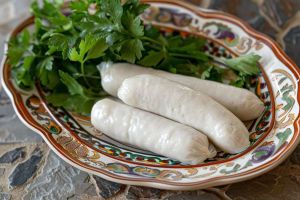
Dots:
{"x": 247, "y": 64}
{"x": 134, "y": 6}
{"x": 60, "y": 42}
{"x": 211, "y": 73}
{"x": 79, "y": 6}
{"x": 76, "y": 103}
{"x": 23, "y": 78}
{"x": 73, "y": 86}
{"x": 152, "y": 59}
{"x": 18, "y": 47}
{"x": 48, "y": 76}
{"x": 113, "y": 8}
{"x": 132, "y": 24}
{"x": 97, "y": 50}
{"x": 131, "y": 49}
{"x": 77, "y": 99}
{"x": 89, "y": 48}
{"x": 50, "y": 11}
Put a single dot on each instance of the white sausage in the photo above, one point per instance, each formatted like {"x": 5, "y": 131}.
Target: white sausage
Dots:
{"x": 241, "y": 102}
{"x": 187, "y": 106}
{"x": 151, "y": 132}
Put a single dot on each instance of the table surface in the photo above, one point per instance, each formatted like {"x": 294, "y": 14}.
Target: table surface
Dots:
{"x": 52, "y": 178}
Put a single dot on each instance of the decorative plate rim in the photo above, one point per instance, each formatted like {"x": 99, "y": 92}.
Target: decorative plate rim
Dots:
{"x": 275, "y": 161}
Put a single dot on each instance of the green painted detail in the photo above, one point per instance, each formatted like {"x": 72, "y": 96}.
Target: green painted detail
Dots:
{"x": 283, "y": 136}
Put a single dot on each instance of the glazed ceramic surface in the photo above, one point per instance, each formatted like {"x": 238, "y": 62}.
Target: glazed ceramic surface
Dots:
{"x": 273, "y": 135}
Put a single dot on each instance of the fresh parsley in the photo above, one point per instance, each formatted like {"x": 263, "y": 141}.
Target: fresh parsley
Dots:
{"x": 68, "y": 42}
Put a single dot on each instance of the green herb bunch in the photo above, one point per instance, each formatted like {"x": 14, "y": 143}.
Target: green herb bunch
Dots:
{"x": 68, "y": 42}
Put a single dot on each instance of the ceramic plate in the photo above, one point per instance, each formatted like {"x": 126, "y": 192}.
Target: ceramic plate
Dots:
{"x": 273, "y": 137}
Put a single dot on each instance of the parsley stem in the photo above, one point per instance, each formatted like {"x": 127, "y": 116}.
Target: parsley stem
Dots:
{"x": 184, "y": 56}
{"x": 83, "y": 74}
{"x": 153, "y": 47}
{"x": 88, "y": 76}
{"x": 44, "y": 56}
{"x": 151, "y": 40}
{"x": 218, "y": 60}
